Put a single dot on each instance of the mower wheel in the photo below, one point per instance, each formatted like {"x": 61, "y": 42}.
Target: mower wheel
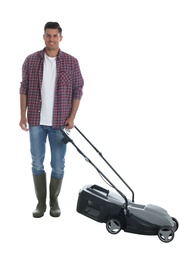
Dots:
{"x": 176, "y": 224}
{"x": 166, "y": 234}
{"x": 113, "y": 226}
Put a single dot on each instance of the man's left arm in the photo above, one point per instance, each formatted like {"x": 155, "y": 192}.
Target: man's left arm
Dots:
{"x": 69, "y": 124}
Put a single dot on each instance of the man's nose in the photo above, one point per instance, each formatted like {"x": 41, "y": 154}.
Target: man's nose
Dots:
{"x": 51, "y": 38}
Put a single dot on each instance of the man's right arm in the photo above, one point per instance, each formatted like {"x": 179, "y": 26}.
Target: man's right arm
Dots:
{"x": 23, "y": 108}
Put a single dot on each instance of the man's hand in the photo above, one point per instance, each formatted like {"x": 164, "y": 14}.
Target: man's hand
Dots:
{"x": 69, "y": 124}
{"x": 23, "y": 124}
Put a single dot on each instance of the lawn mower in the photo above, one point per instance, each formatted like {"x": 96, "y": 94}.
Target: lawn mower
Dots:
{"x": 113, "y": 208}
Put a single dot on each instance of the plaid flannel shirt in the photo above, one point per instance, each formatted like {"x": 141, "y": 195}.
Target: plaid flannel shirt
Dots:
{"x": 69, "y": 86}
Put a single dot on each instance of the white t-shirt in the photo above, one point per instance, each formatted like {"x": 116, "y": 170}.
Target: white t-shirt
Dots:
{"x": 48, "y": 90}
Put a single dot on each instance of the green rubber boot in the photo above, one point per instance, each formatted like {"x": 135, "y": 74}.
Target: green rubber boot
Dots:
{"x": 55, "y": 188}
{"x": 40, "y": 190}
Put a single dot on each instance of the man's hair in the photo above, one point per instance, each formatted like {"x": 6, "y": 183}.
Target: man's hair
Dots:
{"x": 53, "y": 25}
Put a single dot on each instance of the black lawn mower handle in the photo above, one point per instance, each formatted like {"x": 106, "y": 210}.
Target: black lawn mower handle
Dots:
{"x": 66, "y": 139}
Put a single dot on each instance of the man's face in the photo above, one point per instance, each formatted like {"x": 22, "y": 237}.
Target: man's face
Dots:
{"x": 52, "y": 38}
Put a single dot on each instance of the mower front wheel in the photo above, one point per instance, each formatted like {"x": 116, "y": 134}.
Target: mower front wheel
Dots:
{"x": 166, "y": 234}
{"x": 175, "y": 223}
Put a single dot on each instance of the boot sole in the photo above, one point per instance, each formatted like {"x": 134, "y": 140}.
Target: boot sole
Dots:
{"x": 55, "y": 215}
{"x": 38, "y": 216}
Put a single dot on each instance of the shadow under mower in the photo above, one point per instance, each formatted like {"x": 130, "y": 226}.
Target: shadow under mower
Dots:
{"x": 118, "y": 212}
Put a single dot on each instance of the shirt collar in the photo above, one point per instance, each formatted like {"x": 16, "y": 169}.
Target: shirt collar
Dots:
{"x": 58, "y": 55}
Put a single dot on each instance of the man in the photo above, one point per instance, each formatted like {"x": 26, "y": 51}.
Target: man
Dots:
{"x": 50, "y": 94}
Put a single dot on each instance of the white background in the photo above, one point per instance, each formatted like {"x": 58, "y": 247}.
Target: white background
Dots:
{"x": 137, "y": 60}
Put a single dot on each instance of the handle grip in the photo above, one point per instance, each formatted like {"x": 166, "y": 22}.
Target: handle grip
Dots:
{"x": 66, "y": 139}
{"x": 98, "y": 188}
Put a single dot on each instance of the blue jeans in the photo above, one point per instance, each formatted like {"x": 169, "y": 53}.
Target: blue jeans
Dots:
{"x": 38, "y": 137}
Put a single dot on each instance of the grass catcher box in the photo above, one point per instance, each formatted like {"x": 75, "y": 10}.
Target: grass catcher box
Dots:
{"x": 98, "y": 203}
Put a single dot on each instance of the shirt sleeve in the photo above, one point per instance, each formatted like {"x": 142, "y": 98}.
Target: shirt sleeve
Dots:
{"x": 78, "y": 82}
{"x": 24, "y": 82}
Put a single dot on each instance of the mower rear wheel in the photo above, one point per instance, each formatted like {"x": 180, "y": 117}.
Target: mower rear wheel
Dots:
{"x": 113, "y": 226}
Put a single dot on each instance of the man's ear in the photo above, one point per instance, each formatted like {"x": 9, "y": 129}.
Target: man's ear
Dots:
{"x": 61, "y": 38}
